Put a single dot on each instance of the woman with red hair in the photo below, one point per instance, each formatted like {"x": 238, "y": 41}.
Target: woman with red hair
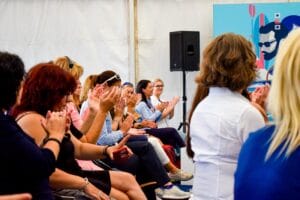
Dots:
{"x": 47, "y": 87}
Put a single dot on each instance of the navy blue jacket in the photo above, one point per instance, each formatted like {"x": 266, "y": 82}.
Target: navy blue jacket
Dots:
{"x": 24, "y": 167}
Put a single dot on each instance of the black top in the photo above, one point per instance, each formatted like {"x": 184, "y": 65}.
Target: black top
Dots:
{"x": 24, "y": 166}
{"x": 66, "y": 158}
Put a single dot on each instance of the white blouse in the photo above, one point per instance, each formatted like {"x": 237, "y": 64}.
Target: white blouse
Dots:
{"x": 219, "y": 126}
{"x": 163, "y": 123}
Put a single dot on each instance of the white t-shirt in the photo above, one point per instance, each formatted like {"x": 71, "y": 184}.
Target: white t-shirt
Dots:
{"x": 219, "y": 126}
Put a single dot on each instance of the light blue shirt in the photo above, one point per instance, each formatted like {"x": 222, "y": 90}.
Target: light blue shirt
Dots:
{"x": 148, "y": 113}
{"x": 107, "y": 136}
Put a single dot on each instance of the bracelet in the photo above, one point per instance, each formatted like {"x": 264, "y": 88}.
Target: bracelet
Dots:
{"x": 86, "y": 182}
{"x": 104, "y": 152}
{"x": 51, "y": 139}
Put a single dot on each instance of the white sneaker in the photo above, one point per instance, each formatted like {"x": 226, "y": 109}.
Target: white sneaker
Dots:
{"x": 173, "y": 192}
{"x": 180, "y": 176}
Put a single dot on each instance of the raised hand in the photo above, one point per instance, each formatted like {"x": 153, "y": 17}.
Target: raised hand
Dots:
{"x": 175, "y": 100}
{"x": 109, "y": 98}
{"x": 119, "y": 108}
{"x": 162, "y": 106}
{"x": 260, "y": 95}
{"x": 55, "y": 123}
{"x": 127, "y": 124}
{"x": 93, "y": 97}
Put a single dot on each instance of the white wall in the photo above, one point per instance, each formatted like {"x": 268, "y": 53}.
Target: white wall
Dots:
{"x": 94, "y": 33}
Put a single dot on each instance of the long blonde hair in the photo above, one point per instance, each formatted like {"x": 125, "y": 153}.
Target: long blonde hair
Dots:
{"x": 74, "y": 68}
{"x": 284, "y": 97}
{"x": 87, "y": 85}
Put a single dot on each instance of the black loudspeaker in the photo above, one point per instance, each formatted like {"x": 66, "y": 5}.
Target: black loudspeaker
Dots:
{"x": 184, "y": 50}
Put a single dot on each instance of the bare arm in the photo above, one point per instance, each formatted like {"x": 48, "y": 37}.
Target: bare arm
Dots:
{"x": 39, "y": 127}
{"x": 23, "y": 196}
{"x": 106, "y": 102}
{"x": 60, "y": 179}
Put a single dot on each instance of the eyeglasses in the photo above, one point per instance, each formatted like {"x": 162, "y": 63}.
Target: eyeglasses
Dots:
{"x": 159, "y": 86}
{"x": 116, "y": 76}
{"x": 266, "y": 44}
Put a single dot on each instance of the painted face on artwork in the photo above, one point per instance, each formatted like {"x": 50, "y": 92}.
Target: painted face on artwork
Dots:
{"x": 268, "y": 44}
{"x": 148, "y": 90}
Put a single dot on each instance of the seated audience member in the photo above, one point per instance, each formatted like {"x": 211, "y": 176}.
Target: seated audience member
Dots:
{"x": 147, "y": 111}
{"x": 168, "y": 112}
{"x": 73, "y": 104}
{"x": 25, "y": 167}
{"x": 47, "y": 87}
{"x": 87, "y": 86}
{"x": 269, "y": 160}
{"x": 131, "y": 99}
{"x": 221, "y": 117}
{"x": 94, "y": 121}
{"x": 144, "y": 163}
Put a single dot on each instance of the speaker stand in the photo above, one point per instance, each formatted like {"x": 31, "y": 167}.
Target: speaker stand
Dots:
{"x": 184, "y": 123}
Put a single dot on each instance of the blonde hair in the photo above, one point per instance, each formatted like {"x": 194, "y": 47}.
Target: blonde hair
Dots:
{"x": 88, "y": 84}
{"x": 70, "y": 66}
{"x": 284, "y": 97}
{"x": 158, "y": 80}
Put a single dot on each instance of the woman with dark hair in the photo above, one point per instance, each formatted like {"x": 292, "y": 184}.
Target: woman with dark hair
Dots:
{"x": 147, "y": 112}
{"x": 144, "y": 163}
{"x": 221, "y": 117}
{"x": 47, "y": 87}
{"x": 25, "y": 167}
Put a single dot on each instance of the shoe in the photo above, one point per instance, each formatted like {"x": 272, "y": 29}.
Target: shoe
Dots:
{"x": 180, "y": 176}
{"x": 172, "y": 192}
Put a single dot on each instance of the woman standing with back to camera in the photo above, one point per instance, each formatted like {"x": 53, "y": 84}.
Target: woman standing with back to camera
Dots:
{"x": 221, "y": 118}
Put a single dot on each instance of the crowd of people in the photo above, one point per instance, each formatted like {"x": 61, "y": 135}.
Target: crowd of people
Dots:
{"x": 107, "y": 139}
{"x": 62, "y": 143}
{"x": 237, "y": 152}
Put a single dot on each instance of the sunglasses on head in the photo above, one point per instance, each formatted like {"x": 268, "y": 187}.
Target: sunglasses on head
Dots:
{"x": 116, "y": 76}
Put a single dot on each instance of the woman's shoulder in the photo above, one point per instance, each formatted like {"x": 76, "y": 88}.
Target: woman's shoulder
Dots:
{"x": 141, "y": 104}
{"x": 262, "y": 135}
{"x": 29, "y": 116}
